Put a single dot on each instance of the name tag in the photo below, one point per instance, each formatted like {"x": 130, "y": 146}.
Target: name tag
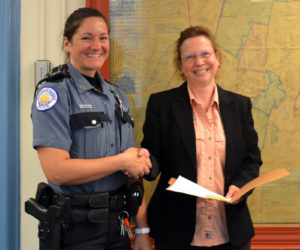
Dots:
{"x": 85, "y": 106}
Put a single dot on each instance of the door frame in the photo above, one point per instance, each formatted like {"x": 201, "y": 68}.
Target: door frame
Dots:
{"x": 10, "y": 125}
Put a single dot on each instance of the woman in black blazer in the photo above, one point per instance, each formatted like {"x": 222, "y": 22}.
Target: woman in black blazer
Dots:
{"x": 205, "y": 134}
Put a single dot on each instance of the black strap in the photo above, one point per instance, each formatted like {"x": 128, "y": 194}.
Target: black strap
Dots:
{"x": 123, "y": 115}
{"x": 55, "y": 74}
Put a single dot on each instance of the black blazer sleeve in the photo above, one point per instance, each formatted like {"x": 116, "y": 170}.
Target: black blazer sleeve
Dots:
{"x": 152, "y": 137}
{"x": 252, "y": 158}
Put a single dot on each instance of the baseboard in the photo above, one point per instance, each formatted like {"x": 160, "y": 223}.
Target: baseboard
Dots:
{"x": 276, "y": 237}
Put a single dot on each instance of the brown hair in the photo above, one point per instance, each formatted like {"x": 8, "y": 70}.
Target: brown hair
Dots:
{"x": 77, "y": 17}
{"x": 194, "y": 31}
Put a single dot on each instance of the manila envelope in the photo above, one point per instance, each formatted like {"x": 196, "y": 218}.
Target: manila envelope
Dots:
{"x": 183, "y": 185}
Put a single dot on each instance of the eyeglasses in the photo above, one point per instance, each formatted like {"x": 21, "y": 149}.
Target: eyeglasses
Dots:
{"x": 192, "y": 58}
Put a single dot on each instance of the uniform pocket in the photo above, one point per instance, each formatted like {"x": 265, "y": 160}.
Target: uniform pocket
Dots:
{"x": 90, "y": 134}
{"x": 87, "y": 120}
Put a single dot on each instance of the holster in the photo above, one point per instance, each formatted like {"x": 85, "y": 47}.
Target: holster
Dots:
{"x": 55, "y": 212}
{"x": 52, "y": 217}
{"x": 134, "y": 197}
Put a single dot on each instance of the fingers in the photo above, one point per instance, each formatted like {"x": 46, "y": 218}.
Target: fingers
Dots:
{"x": 231, "y": 191}
{"x": 131, "y": 150}
{"x": 146, "y": 170}
{"x": 138, "y": 162}
{"x": 139, "y": 174}
{"x": 126, "y": 172}
{"x": 143, "y": 152}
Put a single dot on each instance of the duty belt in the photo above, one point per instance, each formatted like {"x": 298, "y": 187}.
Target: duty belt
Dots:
{"x": 94, "y": 207}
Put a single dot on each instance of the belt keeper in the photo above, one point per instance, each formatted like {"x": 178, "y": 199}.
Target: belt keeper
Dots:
{"x": 99, "y": 200}
{"x": 98, "y": 215}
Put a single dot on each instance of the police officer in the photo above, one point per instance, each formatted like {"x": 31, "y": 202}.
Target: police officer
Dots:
{"x": 83, "y": 135}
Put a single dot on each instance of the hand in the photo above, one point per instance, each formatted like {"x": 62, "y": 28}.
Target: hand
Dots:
{"x": 142, "y": 242}
{"x": 231, "y": 191}
{"x": 137, "y": 162}
{"x": 143, "y": 152}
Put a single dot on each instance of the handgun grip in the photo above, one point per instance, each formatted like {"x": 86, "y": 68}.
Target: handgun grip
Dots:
{"x": 39, "y": 212}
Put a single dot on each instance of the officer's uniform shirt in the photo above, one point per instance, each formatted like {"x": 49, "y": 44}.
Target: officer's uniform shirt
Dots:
{"x": 74, "y": 116}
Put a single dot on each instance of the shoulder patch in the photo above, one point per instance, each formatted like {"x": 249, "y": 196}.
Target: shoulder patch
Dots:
{"x": 46, "y": 99}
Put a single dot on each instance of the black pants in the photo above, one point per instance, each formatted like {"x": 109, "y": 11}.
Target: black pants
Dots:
{"x": 93, "y": 236}
{"x": 227, "y": 246}
{"x": 98, "y": 242}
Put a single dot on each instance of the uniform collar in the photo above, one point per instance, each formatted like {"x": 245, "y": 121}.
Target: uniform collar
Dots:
{"x": 81, "y": 82}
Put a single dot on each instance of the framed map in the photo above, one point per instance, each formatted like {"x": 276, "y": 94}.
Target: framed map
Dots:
{"x": 260, "y": 45}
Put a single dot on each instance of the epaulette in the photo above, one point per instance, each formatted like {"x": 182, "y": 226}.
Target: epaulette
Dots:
{"x": 55, "y": 74}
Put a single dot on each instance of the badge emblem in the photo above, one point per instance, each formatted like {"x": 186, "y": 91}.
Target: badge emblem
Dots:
{"x": 46, "y": 99}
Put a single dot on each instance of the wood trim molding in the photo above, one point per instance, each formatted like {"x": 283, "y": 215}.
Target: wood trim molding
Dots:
{"x": 103, "y": 7}
{"x": 270, "y": 238}
{"x": 276, "y": 237}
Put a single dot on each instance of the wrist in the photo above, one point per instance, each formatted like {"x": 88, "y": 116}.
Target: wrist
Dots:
{"x": 122, "y": 161}
{"x": 141, "y": 230}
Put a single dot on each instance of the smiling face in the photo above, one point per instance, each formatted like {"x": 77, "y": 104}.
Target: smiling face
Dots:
{"x": 199, "y": 62}
{"x": 89, "y": 46}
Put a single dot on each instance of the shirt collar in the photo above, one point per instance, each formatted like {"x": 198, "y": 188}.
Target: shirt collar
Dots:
{"x": 82, "y": 84}
{"x": 215, "y": 99}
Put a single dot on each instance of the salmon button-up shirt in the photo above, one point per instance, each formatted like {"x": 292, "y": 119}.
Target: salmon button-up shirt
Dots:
{"x": 211, "y": 229}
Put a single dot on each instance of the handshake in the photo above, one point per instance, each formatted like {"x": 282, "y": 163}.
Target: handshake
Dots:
{"x": 136, "y": 162}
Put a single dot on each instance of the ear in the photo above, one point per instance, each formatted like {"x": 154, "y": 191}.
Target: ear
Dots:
{"x": 67, "y": 45}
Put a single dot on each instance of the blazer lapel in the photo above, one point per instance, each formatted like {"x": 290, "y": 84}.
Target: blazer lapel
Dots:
{"x": 184, "y": 118}
{"x": 228, "y": 118}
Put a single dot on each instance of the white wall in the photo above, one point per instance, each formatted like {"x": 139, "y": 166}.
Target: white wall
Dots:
{"x": 42, "y": 23}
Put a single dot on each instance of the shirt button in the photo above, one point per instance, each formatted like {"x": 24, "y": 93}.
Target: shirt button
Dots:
{"x": 210, "y": 178}
{"x": 94, "y": 122}
{"x": 209, "y": 138}
{"x": 112, "y": 145}
{"x": 209, "y": 157}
